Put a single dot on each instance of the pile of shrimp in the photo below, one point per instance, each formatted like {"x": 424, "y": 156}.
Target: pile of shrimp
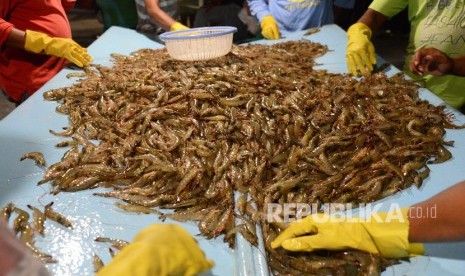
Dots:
{"x": 260, "y": 122}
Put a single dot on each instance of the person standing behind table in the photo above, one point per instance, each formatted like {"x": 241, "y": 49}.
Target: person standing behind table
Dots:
{"x": 437, "y": 24}
{"x": 35, "y": 44}
{"x": 283, "y": 16}
{"x": 157, "y": 16}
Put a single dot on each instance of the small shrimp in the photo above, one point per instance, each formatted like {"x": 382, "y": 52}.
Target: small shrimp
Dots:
{"x": 68, "y": 143}
{"x": 191, "y": 175}
{"x": 422, "y": 175}
{"x": 7, "y": 210}
{"x": 44, "y": 257}
{"x": 55, "y": 94}
{"x": 137, "y": 208}
{"x": 67, "y": 131}
{"x": 223, "y": 221}
{"x": 50, "y": 214}
{"x": 38, "y": 157}
{"x": 412, "y": 124}
{"x": 116, "y": 243}
{"x": 21, "y": 220}
{"x": 76, "y": 75}
{"x": 26, "y": 234}
{"x": 312, "y": 31}
{"x": 112, "y": 252}
{"x": 443, "y": 155}
{"x": 39, "y": 219}
{"x": 97, "y": 263}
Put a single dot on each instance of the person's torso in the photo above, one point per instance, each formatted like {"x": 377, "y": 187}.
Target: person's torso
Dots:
{"x": 439, "y": 24}
{"x": 21, "y": 71}
{"x": 47, "y": 16}
{"x": 295, "y": 15}
{"x": 433, "y": 23}
{"x": 146, "y": 24}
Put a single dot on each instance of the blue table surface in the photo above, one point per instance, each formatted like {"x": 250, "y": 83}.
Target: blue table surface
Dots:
{"x": 27, "y": 128}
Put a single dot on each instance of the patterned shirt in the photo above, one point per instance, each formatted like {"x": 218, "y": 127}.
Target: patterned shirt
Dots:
{"x": 146, "y": 24}
{"x": 434, "y": 23}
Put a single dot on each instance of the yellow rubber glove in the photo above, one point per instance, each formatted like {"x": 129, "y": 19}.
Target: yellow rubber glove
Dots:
{"x": 178, "y": 26}
{"x": 376, "y": 235}
{"x": 360, "y": 54}
{"x": 160, "y": 249}
{"x": 270, "y": 29}
{"x": 60, "y": 47}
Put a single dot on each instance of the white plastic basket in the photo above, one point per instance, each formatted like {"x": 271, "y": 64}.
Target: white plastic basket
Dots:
{"x": 199, "y": 43}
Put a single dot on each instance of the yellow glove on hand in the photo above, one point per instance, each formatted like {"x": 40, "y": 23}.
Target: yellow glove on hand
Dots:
{"x": 60, "y": 47}
{"x": 360, "y": 53}
{"x": 385, "y": 234}
{"x": 160, "y": 249}
{"x": 178, "y": 26}
{"x": 269, "y": 27}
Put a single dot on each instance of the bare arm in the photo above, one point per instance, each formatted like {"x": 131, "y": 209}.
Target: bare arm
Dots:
{"x": 16, "y": 39}
{"x": 459, "y": 66}
{"x": 158, "y": 15}
{"x": 446, "y": 220}
{"x": 373, "y": 19}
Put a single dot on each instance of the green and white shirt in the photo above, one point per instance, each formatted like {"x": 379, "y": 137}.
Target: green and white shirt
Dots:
{"x": 434, "y": 23}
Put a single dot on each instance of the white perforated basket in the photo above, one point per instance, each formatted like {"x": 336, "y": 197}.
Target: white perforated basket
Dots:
{"x": 199, "y": 43}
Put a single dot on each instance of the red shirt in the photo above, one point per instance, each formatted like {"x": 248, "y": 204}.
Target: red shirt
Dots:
{"x": 20, "y": 71}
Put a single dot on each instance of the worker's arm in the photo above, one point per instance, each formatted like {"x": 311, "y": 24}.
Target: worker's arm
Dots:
{"x": 439, "y": 218}
{"x": 16, "y": 39}
{"x": 384, "y": 234}
{"x": 269, "y": 26}
{"x": 433, "y": 61}
{"x": 373, "y": 19}
{"x": 390, "y": 234}
{"x": 159, "y": 249}
{"x": 258, "y": 8}
{"x": 40, "y": 43}
{"x": 360, "y": 53}
{"x": 459, "y": 66}
{"x": 161, "y": 17}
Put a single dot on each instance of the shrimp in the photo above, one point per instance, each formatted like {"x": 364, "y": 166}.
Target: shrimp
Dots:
{"x": 38, "y": 157}
{"x": 39, "y": 219}
{"x": 51, "y": 214}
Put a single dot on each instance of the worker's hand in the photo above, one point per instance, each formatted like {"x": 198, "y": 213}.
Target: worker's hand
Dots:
{"x": 431, "y": 61}
{"x": 270, "y": 29}
{"x": 360, "y": 54}
{"x": 178, "y": 26}
{"x": 160, "y": 249}
{"x": 382, "y": 234}
{"x": 60, "y": 47}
